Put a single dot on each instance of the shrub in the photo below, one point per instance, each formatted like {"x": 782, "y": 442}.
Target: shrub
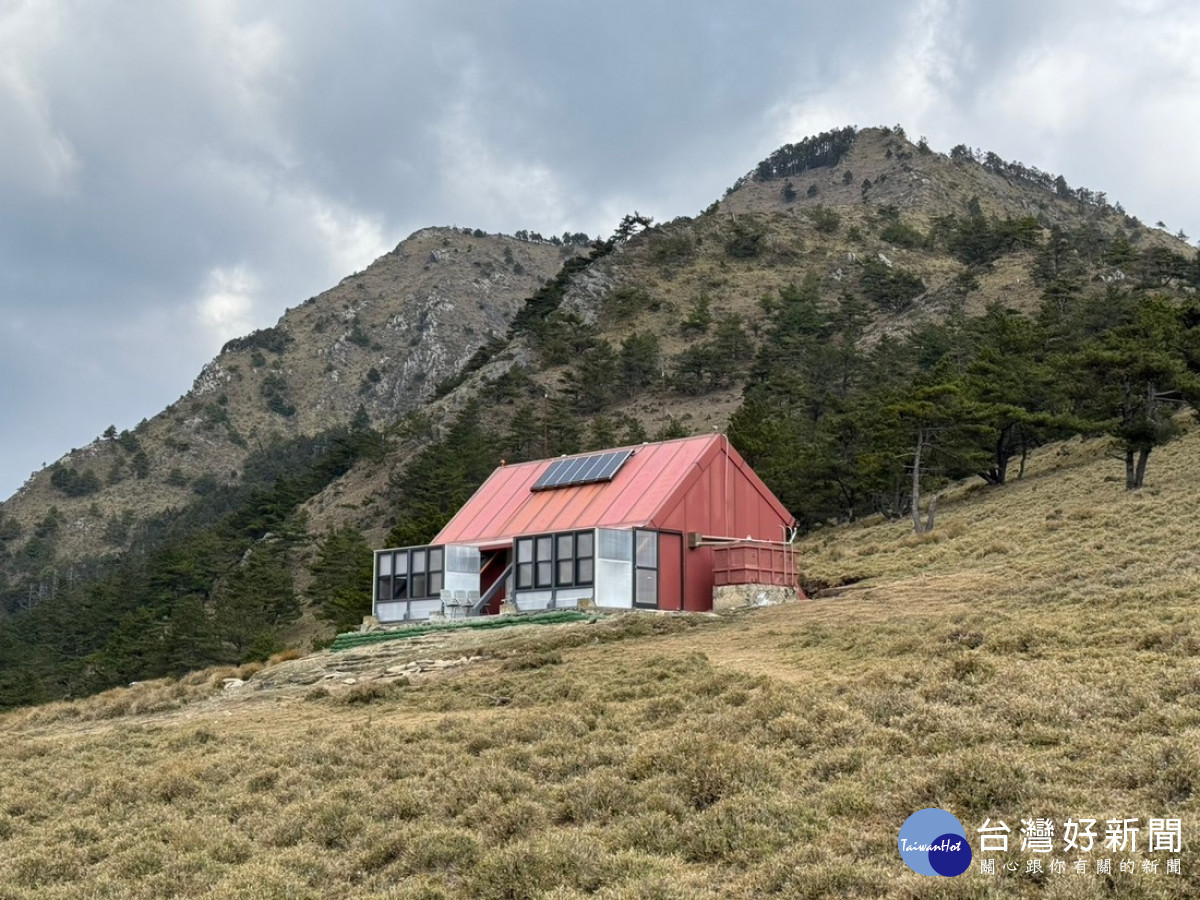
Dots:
{"x": 626, "y": 301}
{"x": 892, "y": 288}
{"x": 903, "y": 235}
{"x": 825, "y": 220}
{"x": 274, "y": 390}
{"x": 744, "y": 239}
{"x": 671, "y": 248}
{"x": 74, "y": 483}
{"x": 275, "y": 340}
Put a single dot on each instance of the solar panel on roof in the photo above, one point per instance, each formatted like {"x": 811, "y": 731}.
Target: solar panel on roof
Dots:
{"x": 582, "y": 470}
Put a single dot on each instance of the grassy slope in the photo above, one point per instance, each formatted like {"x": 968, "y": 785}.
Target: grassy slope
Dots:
{"x": 1033, "y": 657}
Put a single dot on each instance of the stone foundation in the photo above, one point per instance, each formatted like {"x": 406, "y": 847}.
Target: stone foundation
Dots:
{"x": 738, "y": 596}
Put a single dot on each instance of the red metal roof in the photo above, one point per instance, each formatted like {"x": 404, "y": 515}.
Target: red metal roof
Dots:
{"x": 649, "y": 485}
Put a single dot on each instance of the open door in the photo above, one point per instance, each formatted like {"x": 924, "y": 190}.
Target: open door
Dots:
{"x": 493, "y": 565}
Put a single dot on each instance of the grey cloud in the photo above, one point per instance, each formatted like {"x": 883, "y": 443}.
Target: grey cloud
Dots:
{"x": 145, "y": 146}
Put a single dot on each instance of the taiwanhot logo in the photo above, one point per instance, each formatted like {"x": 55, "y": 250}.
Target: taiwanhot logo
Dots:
{"x": 933, "y": 842}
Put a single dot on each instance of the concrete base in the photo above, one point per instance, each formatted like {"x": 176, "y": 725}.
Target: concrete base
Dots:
{"x": 740, "y": 596}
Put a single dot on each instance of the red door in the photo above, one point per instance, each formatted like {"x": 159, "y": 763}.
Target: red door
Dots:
{"x": 670, "y": 570}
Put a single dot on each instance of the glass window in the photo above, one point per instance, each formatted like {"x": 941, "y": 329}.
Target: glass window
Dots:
{"x": 543, "y": 574}
{"x": 400, "y": 588}
{"x": 384, "y": 589}
{"x": 544, "y": 548}
{"x": 566, "y": 546}
{"x": 647, "y": 549}
{"x": 583, "y": 544}
{"x": 566, "y": 572}
{"x": 418, "y": 585}
{"x": 385, "y": 564}
{"x": 525, "y": 550}
{"x": 584, "y": 571}
{"x": 435, "y": 559}
{"x": 418, "y": 560}
{"x": 435, "y": 584}
{"x": 524, "y": 575}
{"x": 402, "y": 563}
{"x": 616, "y": 545}
{"x": 647, "y": 588}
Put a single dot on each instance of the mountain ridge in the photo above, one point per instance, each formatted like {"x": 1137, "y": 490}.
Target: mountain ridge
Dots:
{"x": 467, "y": 348}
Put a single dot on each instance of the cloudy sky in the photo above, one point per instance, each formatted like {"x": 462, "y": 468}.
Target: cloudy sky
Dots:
{"x": 173, "y": 174}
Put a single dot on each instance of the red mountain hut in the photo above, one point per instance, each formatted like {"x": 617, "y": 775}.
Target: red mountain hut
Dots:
{"x": 653, "y": 526}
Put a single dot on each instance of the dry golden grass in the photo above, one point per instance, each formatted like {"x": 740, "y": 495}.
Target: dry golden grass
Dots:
{"x": 1035, "y": 656}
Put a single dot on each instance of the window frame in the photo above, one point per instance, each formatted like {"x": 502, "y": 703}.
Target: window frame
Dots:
{"x": 535, "y": 569}
{"x": 405, "y": 566}
{"x": 641, "y": 568}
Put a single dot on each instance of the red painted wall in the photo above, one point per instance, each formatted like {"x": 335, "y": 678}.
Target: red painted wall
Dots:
{"x": 670, "y": 570}
{"x": 718, "y": 500}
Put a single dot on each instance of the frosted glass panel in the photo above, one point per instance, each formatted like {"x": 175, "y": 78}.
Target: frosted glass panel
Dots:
{"x": 647, "y": 549}
{"x": 616, "y": 544}
{"x": 390, "y": 612}
{"x": 462, "y": 581}
{"x": 614, "y": 583}
{"x": 423, "y": 609}
{"x": 528, "y": 601}
{"x": 462, "y": 559}
{"x": 385, "y": 563}
{"x": 647, "y": 587}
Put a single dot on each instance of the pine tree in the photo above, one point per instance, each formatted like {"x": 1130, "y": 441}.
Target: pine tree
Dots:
{"x": 256, "y": 599}
{"x": 341, "y": 577}
{"x": 1135, "y": 377}
{"x": 440, "y": 478}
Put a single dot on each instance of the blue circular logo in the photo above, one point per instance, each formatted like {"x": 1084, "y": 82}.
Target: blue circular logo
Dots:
{"x": 933, "y": 842}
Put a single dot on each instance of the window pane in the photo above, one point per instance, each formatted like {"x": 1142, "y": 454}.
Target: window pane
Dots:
{"x": 385, "y": 564}
{"x": 647, "y": 588}
{"x": 543, "y": 548}
{"x": 566, "y": 545}
{"x": 585, "y": 571}
{"x": 616, "y": 544}
{"x": 435, "y": 584}
{"x": 583, "y": 544}
{"x": 647, "y": 548}
{"x": 543, "y": 574}
{"x": 435, "y": 559}
{"x": 418, "y": 586}
{"x": 566, "y": 571}
{"x": 418, "y": 560}
{"x": 402, "y": 562}
{"x": 524, "y": 575}
{"x": 383, "y": 589}
{"x": 400, "y": 588}
{"x": 525, "y": 550}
